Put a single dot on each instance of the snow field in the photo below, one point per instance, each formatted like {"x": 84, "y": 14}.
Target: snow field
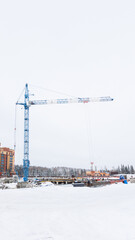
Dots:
{"x": 68, "y": 213}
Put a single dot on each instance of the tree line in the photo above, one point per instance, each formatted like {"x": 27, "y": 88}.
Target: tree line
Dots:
{"x": 125, "y": 169}
{"x": 35, "y": 171}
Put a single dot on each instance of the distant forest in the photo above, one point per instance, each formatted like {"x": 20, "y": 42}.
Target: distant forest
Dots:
{"x": 125, "y": 169}
{"x": 35, "y": 171}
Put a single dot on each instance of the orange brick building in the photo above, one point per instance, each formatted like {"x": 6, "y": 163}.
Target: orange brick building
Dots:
{"x": 7, "y": 158}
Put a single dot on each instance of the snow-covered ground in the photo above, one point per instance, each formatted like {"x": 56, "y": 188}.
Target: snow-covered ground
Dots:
{"x": 68, "y": 213}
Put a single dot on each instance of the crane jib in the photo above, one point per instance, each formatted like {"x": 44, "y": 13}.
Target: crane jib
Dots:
{"x": 66, "y": 101}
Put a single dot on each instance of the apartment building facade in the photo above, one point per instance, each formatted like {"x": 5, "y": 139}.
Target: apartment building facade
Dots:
{"x": 7, "y": 159}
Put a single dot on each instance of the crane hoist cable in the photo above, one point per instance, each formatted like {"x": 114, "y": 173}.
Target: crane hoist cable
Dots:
{"x": 88, "y": 128}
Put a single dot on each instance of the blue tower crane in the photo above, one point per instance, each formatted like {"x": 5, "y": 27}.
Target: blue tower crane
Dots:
{"x": 27, "y": 103}
{"x": 26, "y": 162}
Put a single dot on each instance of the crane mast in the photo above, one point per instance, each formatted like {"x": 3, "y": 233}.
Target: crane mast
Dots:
{"x": 27, "y": 103}
{"x": 26, "y": 135}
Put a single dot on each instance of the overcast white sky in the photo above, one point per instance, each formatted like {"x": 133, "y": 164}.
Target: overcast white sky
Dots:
{"x": 82, "y": 48}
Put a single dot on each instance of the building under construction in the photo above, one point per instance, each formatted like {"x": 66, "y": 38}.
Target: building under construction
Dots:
{"x": 7, "y": 158}
{"x": 97, "y": 173}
